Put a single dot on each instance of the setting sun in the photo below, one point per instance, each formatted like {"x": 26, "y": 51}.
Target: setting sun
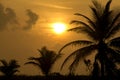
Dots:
{"x": 59, "y": 27}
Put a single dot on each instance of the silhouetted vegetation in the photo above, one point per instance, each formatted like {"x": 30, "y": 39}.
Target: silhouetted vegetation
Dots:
{"x": 9, "y": 68}
{"x": 45, "y": 61}
{"x": 100, "y": 30}
{"x": 46, "y": 78}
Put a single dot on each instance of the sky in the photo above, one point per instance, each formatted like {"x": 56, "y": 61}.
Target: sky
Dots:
{"x": 25, "y": 27}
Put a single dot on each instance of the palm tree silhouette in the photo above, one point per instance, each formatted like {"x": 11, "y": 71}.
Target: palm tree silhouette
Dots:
{"x": 9, "y": 68}
{"x": 101, "y": 30}
{"x": 45, "y": 61}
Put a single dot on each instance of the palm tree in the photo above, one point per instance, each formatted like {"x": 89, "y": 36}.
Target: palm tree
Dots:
{"x": 45, "y": 61}
{"x": 9, "y": 68}
{"x": 101, "y": 30}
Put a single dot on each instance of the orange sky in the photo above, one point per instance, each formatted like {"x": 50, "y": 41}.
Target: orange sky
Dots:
{"x": 27, "y": 28}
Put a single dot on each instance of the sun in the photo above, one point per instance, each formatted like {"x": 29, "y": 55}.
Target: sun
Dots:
{"x": 59, "y": 27}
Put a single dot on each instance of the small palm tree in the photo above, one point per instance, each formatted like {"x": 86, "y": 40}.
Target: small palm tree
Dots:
{"x": 101, "y": 31}
{"x": 9, "y": 68}
{"x": 45, "y": 61}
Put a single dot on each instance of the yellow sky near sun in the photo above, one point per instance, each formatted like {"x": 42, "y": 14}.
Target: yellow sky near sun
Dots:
{"x": 59, "y": 27}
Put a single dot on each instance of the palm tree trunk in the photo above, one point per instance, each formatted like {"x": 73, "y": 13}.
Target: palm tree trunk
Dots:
{"x": 95, "y": 72}
{"x": 101, "y": 52}
{"x": 102, "y": 70}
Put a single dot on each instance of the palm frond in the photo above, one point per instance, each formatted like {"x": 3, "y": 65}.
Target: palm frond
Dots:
{"x": 57, "y": 57}
{"x": 4, "y": 62}
{"x": 81, "y": 54}
{"x": 113, "y": 31}
{"x": 67, "y": 59}
{"x": 97, "y": 10}
{"x": 114, "y": 27}
{"x": 77, "y": 42}
{"x": 82, "y": 23}
{"x": 114, "y": 20}
{"x": 115, "y": 54}
{"x": 13, "y": 62}
{"x": 80, "y": 29}
{"x": 93, "y": 26}
{"x": 41, "y": 52}
{"x": 115, "y": 42}
{"x": 34, "y": 63}
{"x": 96, "y": 16}
{"x": 96, "y": 4}
{"x": 86, "y": 30}
{"x": 32, "y": 58}
{"x": 76, "y": 29}
{"x": 14, "y": 71}
{"x": 107, "y": 7}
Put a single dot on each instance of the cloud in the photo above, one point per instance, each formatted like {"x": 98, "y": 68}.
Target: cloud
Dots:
{"x": 53, "y": 6}
{"x": 8, "y": 19}
{"x": 7, "y": 16}
{"x": 33, "y": 17}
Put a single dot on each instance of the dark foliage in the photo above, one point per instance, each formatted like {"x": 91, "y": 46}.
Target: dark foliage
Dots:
{"x": 9, "y": 68}
{"x": 45, "y": 61}
{"x": 46, "y": 78}
{"x": 100, "y": 30}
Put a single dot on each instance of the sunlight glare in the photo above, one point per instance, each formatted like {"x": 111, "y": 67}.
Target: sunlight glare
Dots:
{"x": 59, "y": 27}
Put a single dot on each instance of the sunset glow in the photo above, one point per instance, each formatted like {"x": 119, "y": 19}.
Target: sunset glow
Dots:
{"x": 60, "y": 39}
{"x": 59, "y": 27}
